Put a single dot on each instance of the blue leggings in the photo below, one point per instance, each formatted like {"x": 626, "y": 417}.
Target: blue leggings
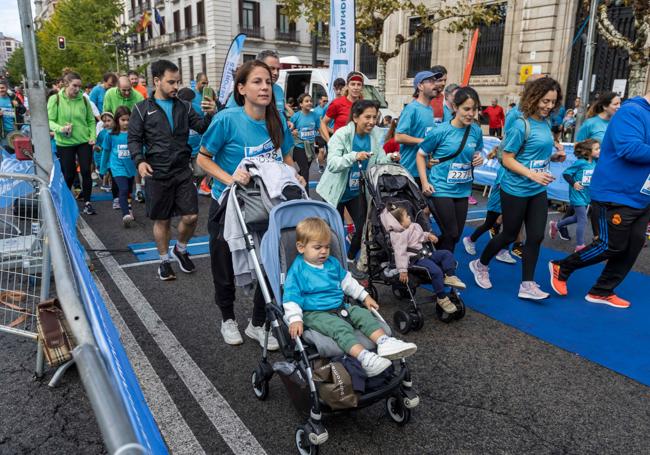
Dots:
{"x": 579, "y": 217}
{"x": 440, "y": 263}
{"x": 125, "y": 186}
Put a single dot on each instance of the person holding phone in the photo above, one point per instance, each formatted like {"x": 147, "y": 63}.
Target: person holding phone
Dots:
{"x": 352, "y": 149}
{"x": 527, "y": 153}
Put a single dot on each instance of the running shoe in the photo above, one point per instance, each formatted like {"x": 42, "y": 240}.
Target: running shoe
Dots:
{"x": 454, "y": 282}
{"x": 552, "y": 229}
{"x": 139, "y": 196}
{"x": 481, "y": 274}
{"x": 258, "y": 334}
{"x": 446, "y": 305}
{"x": 472, "y": 200}
{"x": 558, "y": 285}
{"x": 106, "y": 188}
{"x": 394, "y": 349}
{"x": 494, "y": 231}
{"x": 518, "y": 249}
{"x": 88, "y": 209}
{"x": 183, "y": 259}
{"x": 579, "y": 248}
{"x": 563, "y": 233}
{"x": 470, "y": 247}
{"x": 611, "y": 300}
{"x": 530, "y": 290}
{"x": 373, "y": 364}
{"x": 127, "y": 220}
{"x": 504, "y": 256}
{"x": 165, "y": 271}
{"x": 116, "y": 203}
{"x": 230, "y": 332}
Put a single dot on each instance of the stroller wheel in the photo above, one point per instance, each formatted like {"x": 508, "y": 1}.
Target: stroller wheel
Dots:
{"x": 400, "y": 291}
{"x": 417, "y": 320}
{"x": 458, "y": 301}
{"x": 396, "y": 410}
{"x": 302, "y": 443}
{"x": 260, "y": 385}
{"x": 402, "y": 322}
{"x": 372, "y": 290}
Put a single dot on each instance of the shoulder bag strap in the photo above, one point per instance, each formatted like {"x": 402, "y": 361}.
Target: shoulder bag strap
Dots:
{"x": 460, "y": 149}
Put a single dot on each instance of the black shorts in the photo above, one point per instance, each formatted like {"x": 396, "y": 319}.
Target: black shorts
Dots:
{"x": 175, "y": 196}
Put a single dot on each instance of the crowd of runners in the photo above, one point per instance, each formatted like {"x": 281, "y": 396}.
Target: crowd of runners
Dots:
{"x": 165, "y": 145}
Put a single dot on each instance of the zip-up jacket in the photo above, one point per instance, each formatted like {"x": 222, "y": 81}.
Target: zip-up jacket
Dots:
{"x": 167, "y": 151}
{"x": 77, "y": 111}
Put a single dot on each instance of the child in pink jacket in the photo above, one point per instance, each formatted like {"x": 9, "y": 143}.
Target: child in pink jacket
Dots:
{"x": 405, "y": 235}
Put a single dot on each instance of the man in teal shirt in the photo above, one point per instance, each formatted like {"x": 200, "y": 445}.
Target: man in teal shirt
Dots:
{"x": 98, "y": 93}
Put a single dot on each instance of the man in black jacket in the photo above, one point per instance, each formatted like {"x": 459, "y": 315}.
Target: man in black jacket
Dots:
{"x": 158, "y": 133}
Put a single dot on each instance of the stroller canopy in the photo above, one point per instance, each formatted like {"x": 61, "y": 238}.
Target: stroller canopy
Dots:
{"x": 286, "y": 216}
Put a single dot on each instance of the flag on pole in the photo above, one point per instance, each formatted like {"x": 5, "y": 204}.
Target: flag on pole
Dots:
{"x": 229, "y": 68}
{"x": 144, "y": 22}
{"x": 342, "y": 28}
{"x": 157, "y": 22}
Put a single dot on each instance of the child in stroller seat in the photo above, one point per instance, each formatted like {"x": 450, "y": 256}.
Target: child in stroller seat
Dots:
{"x": 314, "y": 291}
{"x": 407, "y": 239}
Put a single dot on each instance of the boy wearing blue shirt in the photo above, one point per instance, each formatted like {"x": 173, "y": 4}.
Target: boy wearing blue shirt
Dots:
{"x": 416, "y": 121}
{"x": 314, "y": 291}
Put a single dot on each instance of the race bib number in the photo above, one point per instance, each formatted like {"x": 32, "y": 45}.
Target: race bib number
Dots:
{"x": 459, "y": 173}
{"x": 7, "y": 112}
{"x": 586, "y": 177}
{"x": 123, "y": 151}
{"x": 353, "y": 182}
{"x": 307, "y": 134}
{"x": 263, "y": 153}
{"x": 540, "y": 166}
{"x": 645, "y": 189}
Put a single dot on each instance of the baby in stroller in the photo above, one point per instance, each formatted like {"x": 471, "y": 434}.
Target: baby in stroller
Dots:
{"x": 314, "y": 294}
{"x": 408, "y": 241}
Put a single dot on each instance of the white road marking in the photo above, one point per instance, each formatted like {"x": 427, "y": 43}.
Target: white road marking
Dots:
{"x": 174, "y": 428}
{"x": 233, "y": 431}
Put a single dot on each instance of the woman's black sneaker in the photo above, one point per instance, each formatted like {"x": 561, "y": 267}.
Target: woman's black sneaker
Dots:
{"x": 563, "y": 233}
{"x": 183, "y": 259}
{"x": 88, "y": 209}
{"x": 165, "y": 271}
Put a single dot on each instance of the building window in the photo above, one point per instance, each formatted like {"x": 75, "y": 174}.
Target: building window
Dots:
{"x": 163, "y": 28}
{"x": 180, "y": 69}
{"x": 249, "y": 19}
{"x": 248, "y": 57}
{"x": 188, "y": 16}
{"x": 177, "y": 21}
{"x": 191, "y": 66}
{"x": 419, "y": 58}
{"x": 204, "y": 66}
{"x": 285, "y": 30}
{"x": 368, "y": 62}
{"x": 200, "y": 13}
{"x": 489, "y": 49}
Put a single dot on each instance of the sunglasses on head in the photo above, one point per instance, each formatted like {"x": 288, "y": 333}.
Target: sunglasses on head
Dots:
{"x": 438, "y": 75}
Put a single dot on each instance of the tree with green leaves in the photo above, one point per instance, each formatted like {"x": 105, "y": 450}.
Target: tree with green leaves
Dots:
{"x": 637, "y": 48}
{"x": 87, "y": 26}
{"x": 460, "y": 16}
{"x": 15, "y": 67}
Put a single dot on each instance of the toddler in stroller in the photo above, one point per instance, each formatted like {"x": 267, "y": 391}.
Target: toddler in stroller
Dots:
{"x": 408, "y": 241}
{"x": 313, "y": 293}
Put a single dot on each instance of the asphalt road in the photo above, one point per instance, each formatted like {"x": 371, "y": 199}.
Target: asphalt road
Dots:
{"x": 484, "y": 386}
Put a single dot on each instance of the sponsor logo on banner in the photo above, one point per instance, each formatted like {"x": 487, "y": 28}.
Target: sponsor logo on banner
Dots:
{"x": 342, "y": 41}
{"x": 228, "y": 75}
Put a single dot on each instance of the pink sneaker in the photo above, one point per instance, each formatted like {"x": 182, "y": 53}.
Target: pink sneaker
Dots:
{"x": 481, "y": 274}
{"x": 472, "y": 201}
{"x": 579, "y": 248}
{"x": 552, "y": 229}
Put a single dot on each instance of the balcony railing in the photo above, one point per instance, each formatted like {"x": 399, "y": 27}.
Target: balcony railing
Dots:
{"x": 252, "y": 32}
{"x": 155, "y": 43}
{"x": 188, "y": 33}
{"x": 287, "y": 35}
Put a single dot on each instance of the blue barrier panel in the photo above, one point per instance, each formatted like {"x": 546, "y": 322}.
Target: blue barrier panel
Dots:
{"x": 106, "y": 335}
{"x": 558, "y": 190}
{"x": 9, "y": 188}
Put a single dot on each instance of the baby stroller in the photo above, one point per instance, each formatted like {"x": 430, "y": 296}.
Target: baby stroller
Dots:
{"x": 278, "y": 251}
{"x": 392, "y": 184}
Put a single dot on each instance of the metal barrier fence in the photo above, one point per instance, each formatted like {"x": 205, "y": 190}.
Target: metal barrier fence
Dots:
{"x": 24, "y": 258}
{"x": 31, "y": 241}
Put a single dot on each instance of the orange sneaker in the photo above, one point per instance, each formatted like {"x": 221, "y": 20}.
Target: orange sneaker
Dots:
{"x": 558, "y": 285}
{"x": 611, "y": 300}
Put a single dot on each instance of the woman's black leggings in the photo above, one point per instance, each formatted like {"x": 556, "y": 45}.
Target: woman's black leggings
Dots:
{"x": 357, "y": 210}
{"x": 532, "y": 211}
{"x": 300, "y": 157}
{"x": 69, "y": 155}
{"x": 451, "y": 213}
{"x": 490, "y": 221}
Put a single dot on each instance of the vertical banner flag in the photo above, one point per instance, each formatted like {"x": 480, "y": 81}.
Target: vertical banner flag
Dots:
{"x": 470, "y": 59}
{"x": 228, "y": 75}
{"x": 342, "y": 40}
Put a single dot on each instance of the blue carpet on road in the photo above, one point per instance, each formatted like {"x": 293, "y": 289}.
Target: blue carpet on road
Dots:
{"x": 614, "y": 338}
{"x": 148, "y": 252}
{"x": 101, "y": 196}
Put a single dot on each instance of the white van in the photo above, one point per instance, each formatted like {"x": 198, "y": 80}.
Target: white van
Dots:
{"x": 315, "y": 81}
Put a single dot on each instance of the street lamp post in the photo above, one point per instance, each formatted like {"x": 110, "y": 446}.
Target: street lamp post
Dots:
{"x": 123, "y": 42}
{"x": 588, "y": 63}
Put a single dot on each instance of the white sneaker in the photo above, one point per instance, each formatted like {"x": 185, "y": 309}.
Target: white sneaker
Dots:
{"x": 447, "y": 305}
{"x": 127, "y": 220}
{"x": 394, "y": 349}
{"x": 374, "y": 364}
{"x": 470, "y": 246}
{"x": 481, "y": 274}
{"x": 504, "y": 256}
{"x": 257, "y": 333}
{"x": 530, "y": 290}
{"x": 116, "y": 204}
{"x": 230, "y": 332}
